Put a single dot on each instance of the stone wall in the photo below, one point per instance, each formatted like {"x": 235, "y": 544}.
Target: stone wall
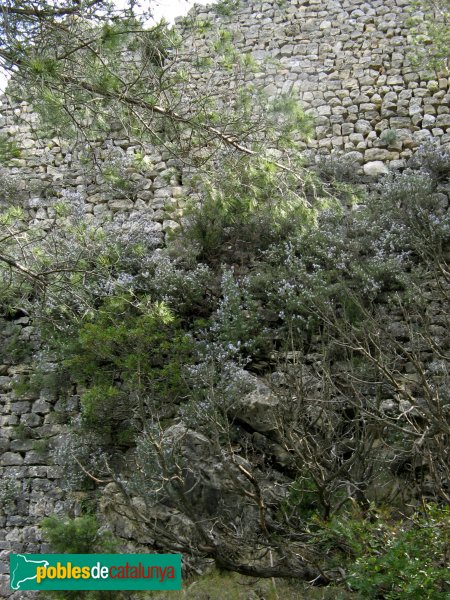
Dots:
{"x": 49, "y": 169}
{"x": 345, "y": 60}
{"x": 30, "y": 423}
{"x": 34, "y": 422}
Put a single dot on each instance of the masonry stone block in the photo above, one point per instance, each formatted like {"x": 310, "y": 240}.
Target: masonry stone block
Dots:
{"x": 10, "y": 459}
{"x": 375, "y": 168}
{"x": 19, "y": 408}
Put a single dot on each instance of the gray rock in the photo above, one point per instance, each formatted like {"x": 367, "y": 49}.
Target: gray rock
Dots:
{"x": 362, "y": 126}
{"x": 31, "y": 420}
{"x": 5, "y": 382}
{"x": 19, "y": 408}
{"x": 355, "y": 157}
{"x": 35, "y": 458}
{"x": 41, "y": 407}
{"x": 123, "y": 204}
{"x": 257, "y": 408}
{"x": 375, "y": 168}
{"x": 376, "y": 154}
{"x": 11, "y": 459}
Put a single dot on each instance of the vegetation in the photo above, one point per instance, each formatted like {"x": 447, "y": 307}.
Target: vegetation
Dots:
{"x": 268, "y": 392}
{"x": 391, "y": 564}
{"x": 77, "y": 536}
{"x": 155, "y": 351}
{"x": 430, "y": 34}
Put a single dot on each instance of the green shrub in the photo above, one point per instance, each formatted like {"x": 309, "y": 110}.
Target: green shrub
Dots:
{"x": 388, "y": 137}
{"x": 237, "y": 323}
{"x": 55, "y": 381}
{"x": 433, "y": 159}
{"x": 8, "y": 149}
{"x": 101, "y": 408}
{"x": 337, "y": 168}
{"x": 251, "y": 206}
{"x": 22, "y": 432}
{"x": 80, "y": 535}
{"x": 226, "y": 8}
{"x": 130, "y": 354}
{"x": 430, "y": 36}
{"x": 302, "y": 500}
{"x": 41, "y": 446}
{"x": 407, "y": 560}
{"x": 8, "y": 493}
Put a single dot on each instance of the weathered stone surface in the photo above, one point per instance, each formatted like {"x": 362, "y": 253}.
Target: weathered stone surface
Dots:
{"x": 119, "y": 205}
{"x": 36, "y": 458}
{"x": 20, "y": 408}
{"x": 41, "y": 407}
{"x": 208, "y": 485}
{"x": 5, "y": 383}
{"x": 375, "y": 168}
{"x": 11, "y": 459}
{"x": 31, "y": 420}
{"x": 256, "y": 408}
{"x": 376, "y": 154}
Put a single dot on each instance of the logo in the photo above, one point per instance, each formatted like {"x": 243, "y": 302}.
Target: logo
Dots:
{"x": 95, "y": 571}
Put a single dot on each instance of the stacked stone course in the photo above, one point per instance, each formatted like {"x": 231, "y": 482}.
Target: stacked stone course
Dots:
{"x": 348, "y": 62}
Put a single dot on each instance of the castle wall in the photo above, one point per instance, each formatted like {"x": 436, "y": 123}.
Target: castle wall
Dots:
{"x": 347, "y": 63}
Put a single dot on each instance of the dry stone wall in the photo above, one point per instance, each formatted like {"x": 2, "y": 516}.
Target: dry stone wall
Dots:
{"x": 34, "y": 423}
{"x": 49, "y": 169}
{"x": 29, "y": 479}
{"x": 347, "y": 63}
